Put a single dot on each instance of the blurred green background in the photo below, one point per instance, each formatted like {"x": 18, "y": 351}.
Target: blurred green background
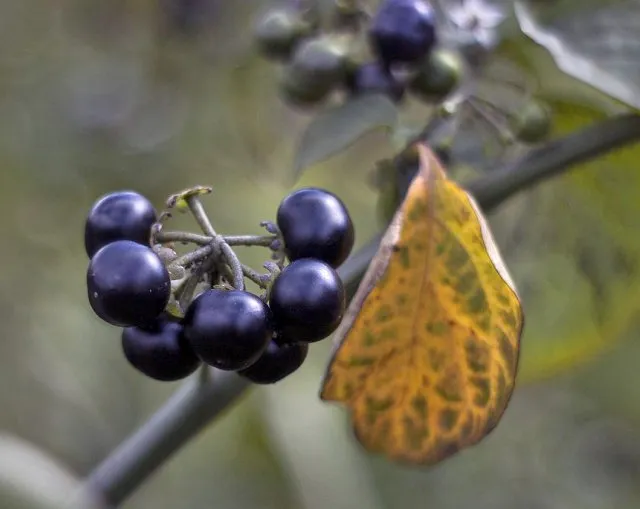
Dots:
{"x": 97, "y": 96}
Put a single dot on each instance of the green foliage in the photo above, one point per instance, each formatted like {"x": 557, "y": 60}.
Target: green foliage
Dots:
{"x": 335, "y": 129}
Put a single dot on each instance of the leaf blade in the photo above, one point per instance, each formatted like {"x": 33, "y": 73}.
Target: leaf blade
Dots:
{"x": 427, "y": 356}
{"x": 337, "y": 128}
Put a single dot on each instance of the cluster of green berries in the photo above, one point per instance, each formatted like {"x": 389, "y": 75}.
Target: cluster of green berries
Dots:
{"x": 263, "y": 338}
{"x": 386, "y": 52}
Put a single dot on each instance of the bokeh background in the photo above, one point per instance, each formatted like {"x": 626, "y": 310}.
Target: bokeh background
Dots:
{"x": 158, "y": 95}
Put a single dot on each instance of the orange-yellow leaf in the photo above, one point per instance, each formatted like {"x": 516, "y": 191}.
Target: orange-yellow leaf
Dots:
{"x": 427, "y": 354}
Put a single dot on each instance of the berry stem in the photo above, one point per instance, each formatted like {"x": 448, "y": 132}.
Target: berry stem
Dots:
{"x": 199, "y": 214}
{"x": 250, "y": 240}
{"x": 183, "y": 237}
{"x": 194, "y": 256}
{"x": 198, "y": 402}
{"x": 234, "y": 264}
{"x": 202, "y": 240}
{"x": 254, "y": 276}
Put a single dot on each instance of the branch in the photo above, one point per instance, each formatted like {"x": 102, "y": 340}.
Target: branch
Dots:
{"x": 200, "y": 401}
{"x": 189, "y": 410}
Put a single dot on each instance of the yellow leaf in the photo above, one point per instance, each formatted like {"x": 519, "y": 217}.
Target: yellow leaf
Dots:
{"x": 427, "y": 354}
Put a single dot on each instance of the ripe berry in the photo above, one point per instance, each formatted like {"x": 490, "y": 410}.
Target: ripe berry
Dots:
{"x": 315, "y": 224}
{"x": 373, "y": 78}
{"x": 127, "y": 284}
{"x": 307, "y": 300}
{"x": 228, "y": 329}
{"x": 276, "y": 363}
{"x": 279, "y": 31}
{"x": 403, "y": 31}
{"x": 317, "y": 66}
{"x": 159, "y": 350}
{"x": 123, "y": 215}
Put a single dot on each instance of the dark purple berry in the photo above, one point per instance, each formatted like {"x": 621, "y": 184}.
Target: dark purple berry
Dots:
{"x": 316, "y": 224}
{"x": 403, "y": 31}
{"x": 307, "y": 301}
{"x": 228, "y": 329}
{"x": 373, "y": 78}
{"x": 123, "y": 215}
{"x": 159, "y": 351}
{"x": 127, "y": 284}
{"x": 276, "y": 363}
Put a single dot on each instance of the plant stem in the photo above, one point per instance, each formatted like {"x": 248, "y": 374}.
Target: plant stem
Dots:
{"x": 194, "y": 256}
{"x": 184, "y": 237}
{"x": 233, "y": 262}
{"x": 189, "y": 410}
{"x": 250, "y": 240}
{"x": 200, "y": 215}
{"x": 202, "y": 240}
{"x": 254, "y": 276}
{"x": 555, "y": 158}
{"x": 197, "y": 403}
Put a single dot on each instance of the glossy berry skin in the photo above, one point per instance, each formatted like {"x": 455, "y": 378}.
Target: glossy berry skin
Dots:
{"x": 307, "y": 301}
{"x": 159, "y": 351}
{"x": 123, "y": 215}
{"x": 373, "y": 78}
{"x": 403, "y": 31}
{"x": 276, "y": 363}
{"x": 228, "y": 329}
{"x": 127, "y": 284}
{"x": 315, "y": 224}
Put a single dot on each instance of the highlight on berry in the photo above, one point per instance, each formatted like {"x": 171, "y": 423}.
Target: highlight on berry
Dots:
{"x": 181, "y": 299}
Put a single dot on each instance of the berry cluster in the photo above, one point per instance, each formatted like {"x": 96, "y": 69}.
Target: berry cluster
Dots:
{"x": 179, "y": 311}
{"x": 385, "y": 52}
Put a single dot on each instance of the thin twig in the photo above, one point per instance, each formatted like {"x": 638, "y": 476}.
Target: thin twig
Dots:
{"x": 163, "y": 237}
{"x": 250, "y": 240}
{"x": 254, "y": 275}
{"x": 200, "y": 215}
{"x": 233, "y": 262}
{"x": 194, "y": 256}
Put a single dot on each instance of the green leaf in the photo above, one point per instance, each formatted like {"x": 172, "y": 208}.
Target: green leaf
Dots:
{"x": 572, "y": 247}
{"x": 337, "y": 128}
{"x": 594, "y": 41}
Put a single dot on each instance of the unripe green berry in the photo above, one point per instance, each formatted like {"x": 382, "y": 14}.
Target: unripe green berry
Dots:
{"x": 316, "y": 68}
{"x": 532, "y": 123}
{"x": 438, "y": 75}
{"x": 279, "y": 31}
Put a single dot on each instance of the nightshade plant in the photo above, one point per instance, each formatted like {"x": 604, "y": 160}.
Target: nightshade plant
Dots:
{"x": 353, "y": 66}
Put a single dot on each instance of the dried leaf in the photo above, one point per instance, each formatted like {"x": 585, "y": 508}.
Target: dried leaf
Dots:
{"x": 427, "y": 354}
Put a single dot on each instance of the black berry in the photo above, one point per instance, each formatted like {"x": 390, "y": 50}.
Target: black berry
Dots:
{"x": 403, "y": 31}
{"x": 228, "y": 329}
{"x": 307, "y": 300}
{"x": 127, "y": 284}
{"x": 315, "y": 224}
{"x": 374, "y": 78}
{"x": 123, "y": 215}
{"x": 276, "y": 363}
{"x": 159, "y": 351}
